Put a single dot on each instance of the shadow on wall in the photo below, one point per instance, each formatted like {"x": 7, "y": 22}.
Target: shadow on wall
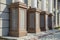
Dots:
{"x": 4, "y": 17}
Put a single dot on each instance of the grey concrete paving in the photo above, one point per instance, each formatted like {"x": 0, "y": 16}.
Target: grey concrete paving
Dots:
{"x": 47, "y": 35}
{"x": 55, "y": 35}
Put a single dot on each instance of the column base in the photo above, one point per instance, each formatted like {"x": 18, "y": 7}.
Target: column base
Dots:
{"x": 17, "y": 33}
{"x": 16, "y": 25}
{"x": 22, "y": 33}
{"x": 31, "y": 30}
{"x": 14, "y": 33}
{"x": 50, "y": 21}
{"x": 31, "y": 27}
{"x": 43, "y": 28}
{"x": 43, "y": 20}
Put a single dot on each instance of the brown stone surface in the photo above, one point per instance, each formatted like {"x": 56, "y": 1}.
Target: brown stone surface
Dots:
{"x": 43, "y": 28}
{"x": 18, "y": 5}
{"x": 44, "y": 13}
{"x": 22, "y": 33}
{"x": 30, "y": 29}
{"x": 38, "y": 29}
{"x": 50, "y": 16}
{"x": 14, "y": 33}
{"x": 33, "y": 10}
{"x": 17, "y": 32}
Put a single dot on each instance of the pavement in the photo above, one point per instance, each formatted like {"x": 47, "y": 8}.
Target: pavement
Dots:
{"x": 46, "y": 35}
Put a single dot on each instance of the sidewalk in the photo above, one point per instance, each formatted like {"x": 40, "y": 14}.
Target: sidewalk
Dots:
{"x": 33, "y": 36}
{"x": 40, "y": 35}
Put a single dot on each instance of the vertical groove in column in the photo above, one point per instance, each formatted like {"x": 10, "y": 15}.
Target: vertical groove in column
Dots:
{"x": 46, "y": 21}
{"x": 43, "y": 5}
{"x": 37, "y": 22}
{"x": 50, "y": 6}
{"x": 56, "y": 13}
{"x": 34, "y": 3}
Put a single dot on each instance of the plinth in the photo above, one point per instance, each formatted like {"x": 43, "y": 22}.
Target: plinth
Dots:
{"x": 33, "y": 24}
{"x": 50, "y": 21}
{"x": 18, "y": 17}
{"x": 44, "y": 21}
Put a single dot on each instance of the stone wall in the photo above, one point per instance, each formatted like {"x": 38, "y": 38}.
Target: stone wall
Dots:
{"x": 4, "y": 17}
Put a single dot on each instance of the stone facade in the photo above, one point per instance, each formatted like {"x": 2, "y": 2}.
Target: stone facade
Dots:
{"x": 4, "y": 17}
{"x": 27, "y": 16}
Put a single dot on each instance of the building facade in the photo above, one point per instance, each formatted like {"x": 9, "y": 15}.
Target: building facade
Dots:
{"x": 20, "y": 17}
{"x": 4, "y": 17}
